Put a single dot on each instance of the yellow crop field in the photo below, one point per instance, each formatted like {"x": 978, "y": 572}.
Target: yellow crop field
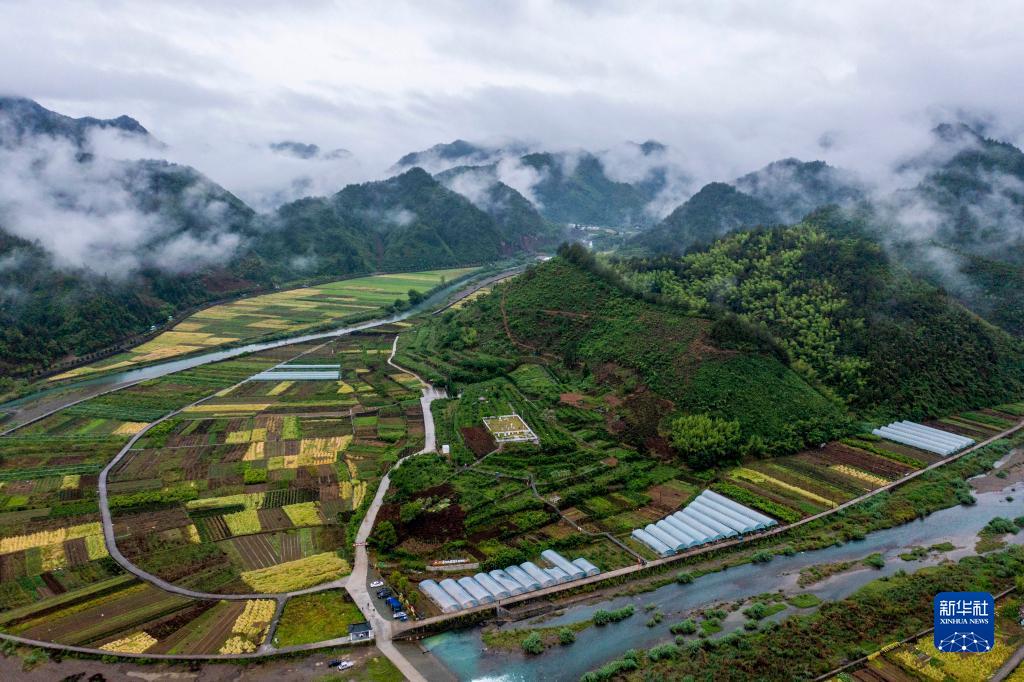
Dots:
{"x": 132, "y": 644}
{"x": 130, "y": 428}
{"x": 96, "y": 547}
{"x": 322, "y": 450}
{"x": 54, "y": 557}
{"x": 250, "y": 628}
{"x": 757, "y": 477}
{"x": 298, "y": 574}
{"x": 253, "y": 318}
{"x": 303, "y": 513}
{"x": 236, "y": 437}
{"x": 280, "y": 388}
{"x": 228, "y": 408}
{"x": 254, "y": 452}
{"x": 247, "y": 500}
{"x": 70, "y": 482}
{"x": 43, "y": 538}
{"x": 853, "y": 472}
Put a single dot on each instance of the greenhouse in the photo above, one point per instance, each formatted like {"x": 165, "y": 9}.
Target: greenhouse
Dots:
{"x": 487, "y": 588}
{"x": 459, "y": 593}
{"x": 924, "y": 437}
{"x": 707, "y": 518}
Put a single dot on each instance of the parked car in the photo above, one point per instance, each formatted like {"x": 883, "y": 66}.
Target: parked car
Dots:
{"x": 404, "y": 617}
{"x": 384, "y": 593}
{"x": 394, "y": 604}
{"x": 341, "y": 664}
{"x": 377, "y": 583}
{"x": 399, "y": 615}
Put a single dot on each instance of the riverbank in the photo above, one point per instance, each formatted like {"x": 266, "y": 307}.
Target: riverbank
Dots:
{"x": 728, "y": 579}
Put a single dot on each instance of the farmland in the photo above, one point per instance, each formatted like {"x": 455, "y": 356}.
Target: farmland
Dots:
{"x": 316, "y": 617}
{"x": 605, "y": 463}
{"x": 253, "y": 489}
{"x": 286, "y": 312}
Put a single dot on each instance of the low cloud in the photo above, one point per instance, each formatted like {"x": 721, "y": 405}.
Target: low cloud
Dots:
{"x": 85, "y": 213}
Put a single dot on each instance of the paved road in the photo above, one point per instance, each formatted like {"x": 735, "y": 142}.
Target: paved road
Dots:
{"x": 357, "y": 581}
{"x": 122, "y": 560}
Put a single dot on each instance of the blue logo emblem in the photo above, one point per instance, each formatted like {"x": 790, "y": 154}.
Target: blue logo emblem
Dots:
{"x": 965, "y": 622}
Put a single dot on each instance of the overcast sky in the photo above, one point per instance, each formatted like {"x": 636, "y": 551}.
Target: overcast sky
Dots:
{"x": 728, "y": 85}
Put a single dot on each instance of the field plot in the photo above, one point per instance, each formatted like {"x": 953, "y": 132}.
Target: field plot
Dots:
{"x": 257, "y": 484}
{"x": 316, "y": 617}
{"x": 510, "y": 428}
{"x": 291, "y": 311}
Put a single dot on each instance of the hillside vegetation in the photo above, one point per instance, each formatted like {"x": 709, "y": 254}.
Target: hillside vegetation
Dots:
{"x": 569, "y": 313}
{"x": 851, "y": 319}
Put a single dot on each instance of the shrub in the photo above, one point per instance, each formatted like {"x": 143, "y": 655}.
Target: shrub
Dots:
{"x": 532, "y": 644}
{"x": 684, "y": 627}
{"x": 761, "y": 557}
{"x": 667, "y": 650}
{"x": 603, "y": 617}
{"x": 566, "y": 636}
{"x": 684, "y": 578}
{"x": 875, "y": 561}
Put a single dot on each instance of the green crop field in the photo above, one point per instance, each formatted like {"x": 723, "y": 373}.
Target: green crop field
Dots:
{"x": 293, "y": 311}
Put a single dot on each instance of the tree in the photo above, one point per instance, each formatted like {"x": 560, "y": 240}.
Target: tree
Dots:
{"x": 415, "y": 297}
{"x": 532, "y": 644}
{"x": 705, "y": 441}
{"x": 385, "y": 536}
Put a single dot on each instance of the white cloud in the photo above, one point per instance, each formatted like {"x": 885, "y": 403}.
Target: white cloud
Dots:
{"x": 732, "y": 85}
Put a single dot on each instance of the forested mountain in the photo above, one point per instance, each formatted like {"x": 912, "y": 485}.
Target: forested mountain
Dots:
{"x": 572, "y": 313}
{"x": 793, "y": 188}
{"x": 22, "y": 119}
{"x": 565, "y": 187}
{"x": 145, "y": 238}
{"x": 715, "y": 210}
{"x": 853, "y": 321}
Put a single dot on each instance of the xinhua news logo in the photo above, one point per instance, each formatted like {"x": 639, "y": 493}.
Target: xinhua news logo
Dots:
{"x": 965, "y": 622}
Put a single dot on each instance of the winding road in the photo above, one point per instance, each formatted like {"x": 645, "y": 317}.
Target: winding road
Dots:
{"x": 356, "y": 582}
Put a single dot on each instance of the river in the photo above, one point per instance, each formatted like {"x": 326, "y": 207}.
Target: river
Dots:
{"x": 46, "y": 400}
{"x": 464, "y": 654}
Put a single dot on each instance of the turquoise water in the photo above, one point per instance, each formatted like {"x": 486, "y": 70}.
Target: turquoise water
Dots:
{"x": 464, "y": 654}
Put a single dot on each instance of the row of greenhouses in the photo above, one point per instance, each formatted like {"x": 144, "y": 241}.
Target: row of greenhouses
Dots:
{"x": 288, "y": 372}
{"x": 708, "y": 518}
{"x": 924, "y": 437}
{"x": 452, "y": 595}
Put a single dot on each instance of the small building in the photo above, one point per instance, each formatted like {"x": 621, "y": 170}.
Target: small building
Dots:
{"x": 446, "y": 449}
{"x": 360, "y": 632}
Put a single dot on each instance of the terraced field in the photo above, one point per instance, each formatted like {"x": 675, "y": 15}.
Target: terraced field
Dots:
{"x": 293, "y": 311}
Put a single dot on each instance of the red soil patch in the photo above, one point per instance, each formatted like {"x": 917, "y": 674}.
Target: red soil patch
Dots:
{"x": 478, "y": 439}
{"x": 573, "y": 399}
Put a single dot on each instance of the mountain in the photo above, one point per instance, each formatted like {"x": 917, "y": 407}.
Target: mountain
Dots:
{"x": 576, "y": 189}
{"x": 517, "y": 219}
{"x": 306, "y": 151}
{"x": 143, "y": 239}
{"x": 443, "y": 156}
{"x": 22, "y": 118}
{"x": 572, "y": 315}
{"x": 793, "y": 188}
{"x": 854, "y": 321}
{"x": 715, "y": 210}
